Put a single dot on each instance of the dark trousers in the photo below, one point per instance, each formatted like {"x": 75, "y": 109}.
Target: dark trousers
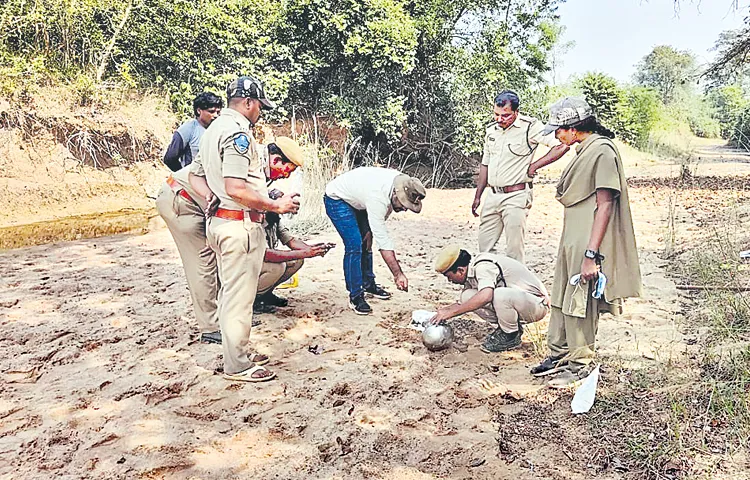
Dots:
{"x": 352, "y": 226}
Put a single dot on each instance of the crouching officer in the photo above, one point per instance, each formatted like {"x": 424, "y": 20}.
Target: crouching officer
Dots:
{"x": 281, "y": 158}
{"x": 279, "y": 265}
{"x": 498, "y": 289}
{"x": 234, "y": 173}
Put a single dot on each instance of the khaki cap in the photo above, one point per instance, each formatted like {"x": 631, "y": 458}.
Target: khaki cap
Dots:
{"x": 446, "y": 258}
{"x": 410, "y": 192}
{"x": 291, "y": 150}
{"x": 566, "y": 113}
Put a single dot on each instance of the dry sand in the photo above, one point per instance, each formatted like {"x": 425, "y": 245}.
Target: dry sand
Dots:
{"x": 101, "y": 375}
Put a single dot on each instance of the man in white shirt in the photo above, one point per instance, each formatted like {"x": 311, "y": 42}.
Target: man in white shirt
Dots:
{"x": 358, "y": 203}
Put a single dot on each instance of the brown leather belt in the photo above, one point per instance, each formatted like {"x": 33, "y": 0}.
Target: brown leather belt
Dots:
{"x": 178, "y": 189}
{"x": 512, "y": 188}
{"x": 252, "y": 215}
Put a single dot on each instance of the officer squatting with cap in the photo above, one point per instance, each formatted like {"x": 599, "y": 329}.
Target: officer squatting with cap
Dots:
{"x": 507, "y": 169}
{"x": 233, "y": 171}
{"x": 499, "y": 289}
{"x": 281, "y": 158}
{"x": 358, "y": 203}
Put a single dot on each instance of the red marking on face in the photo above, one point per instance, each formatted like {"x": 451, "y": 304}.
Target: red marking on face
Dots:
{"x": 280, "y": 168}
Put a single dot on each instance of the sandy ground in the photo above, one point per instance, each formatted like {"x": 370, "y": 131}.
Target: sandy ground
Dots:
{"x": 101, "y": 375}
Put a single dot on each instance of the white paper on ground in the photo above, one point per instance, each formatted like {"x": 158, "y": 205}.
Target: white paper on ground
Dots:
{"x": 584, "y": 398}
{"x": 419, "y": 318}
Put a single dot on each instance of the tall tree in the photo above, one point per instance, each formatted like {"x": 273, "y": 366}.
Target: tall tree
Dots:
{"x": 666, "y": 70}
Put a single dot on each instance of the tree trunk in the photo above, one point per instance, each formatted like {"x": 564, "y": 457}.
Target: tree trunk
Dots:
{"x": 111, "y": 45}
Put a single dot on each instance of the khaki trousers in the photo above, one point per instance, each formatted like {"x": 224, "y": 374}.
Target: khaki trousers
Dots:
{"x": 509, "y": 305}
{"x": 240, "y": 246}
{"x": 505, "y": 212}
{"x": 574, "y": 337}
{"x": 274, "y": 274}
{"x": 188, "y": 228}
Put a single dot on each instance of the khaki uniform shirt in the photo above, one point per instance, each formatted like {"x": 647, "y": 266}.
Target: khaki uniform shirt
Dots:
{"x": 489, "y": 270}
{"x": 228, "y": 150}
{"x": 509, "y": 152}
{"x": 276, "y": 233}
{"x": 181, "y": 177}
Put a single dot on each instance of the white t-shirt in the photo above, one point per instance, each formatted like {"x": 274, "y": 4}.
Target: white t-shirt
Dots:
{"x": 370, "y": 189}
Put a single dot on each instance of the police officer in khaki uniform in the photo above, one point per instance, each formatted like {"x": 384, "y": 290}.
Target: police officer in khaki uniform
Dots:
{"x": 498, "y": 289}
{"x": 182, "y": 209}
{"x": 507, "y": 169}
{"x": 233, "y": 171}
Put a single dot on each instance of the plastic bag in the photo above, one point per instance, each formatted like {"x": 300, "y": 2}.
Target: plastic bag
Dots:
{"x": 291, "y": 283}
{"x": 419, "y": 319}
{"x": 584, "y": 397}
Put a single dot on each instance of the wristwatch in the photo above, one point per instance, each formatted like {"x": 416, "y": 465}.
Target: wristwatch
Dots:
{"x": 593, "y": 255}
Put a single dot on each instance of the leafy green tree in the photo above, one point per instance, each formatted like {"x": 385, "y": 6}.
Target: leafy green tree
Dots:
{"x": 729, "y": 104}
{"x": 631, "y": 112}
{"x": 606, "y": 98}
{"x": 666, "y": 70}
{"x": 641, "y": 112}
{"x": 414, "y": 77}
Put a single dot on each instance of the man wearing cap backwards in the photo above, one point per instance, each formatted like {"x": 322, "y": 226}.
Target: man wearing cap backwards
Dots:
{"x": 282, "y": 157}
{"x": 507, "y": 169}
{"x": 498, "y": 289}
{"x": 358, "y": 203}
{"x": 234, "y": 173}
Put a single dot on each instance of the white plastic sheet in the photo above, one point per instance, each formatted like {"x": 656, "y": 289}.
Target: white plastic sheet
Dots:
{"x": 419, "y": 319}
{"x": 584, "y": 397}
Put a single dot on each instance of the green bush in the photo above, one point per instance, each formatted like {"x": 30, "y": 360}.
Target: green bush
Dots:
{"x": 739, "y": 135}
{"x": 729, "y": 102}
{"x": 704, "y": 126}
{"x": 386, "y": 69}
{"x": 631, "y": 112}
{"x": 643, "y": 110}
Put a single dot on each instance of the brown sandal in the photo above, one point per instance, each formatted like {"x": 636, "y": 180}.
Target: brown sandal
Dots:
{"x": 259, "y": 359}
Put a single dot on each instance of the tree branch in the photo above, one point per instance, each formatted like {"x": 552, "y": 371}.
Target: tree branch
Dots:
{"x": 111, "y": 45}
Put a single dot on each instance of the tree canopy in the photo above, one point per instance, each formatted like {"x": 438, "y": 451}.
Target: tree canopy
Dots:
{"x": 388, "y": 70}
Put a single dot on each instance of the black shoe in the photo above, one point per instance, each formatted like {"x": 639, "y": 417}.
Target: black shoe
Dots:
{"x": 499, "y": 341}
{"x": 549, "y": 366}
{"x": 272, "y": 299}
{"x": 263, "y": 307}
{"x": 211, "y": 337}
{"x": 360, "y": 305}
{"x": 377, "y": 291}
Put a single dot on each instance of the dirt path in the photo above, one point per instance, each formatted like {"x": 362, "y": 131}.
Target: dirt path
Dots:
{"x": 101, "y": 377}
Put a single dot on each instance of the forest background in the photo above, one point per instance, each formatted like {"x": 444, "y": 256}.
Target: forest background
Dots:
{"x": 410, "y": 81}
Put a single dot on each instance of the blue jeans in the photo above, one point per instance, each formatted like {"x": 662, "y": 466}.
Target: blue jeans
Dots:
{"x": 352, "y": 226}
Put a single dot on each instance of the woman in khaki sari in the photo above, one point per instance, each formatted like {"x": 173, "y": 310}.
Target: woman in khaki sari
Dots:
{"x": 597, "y": 238}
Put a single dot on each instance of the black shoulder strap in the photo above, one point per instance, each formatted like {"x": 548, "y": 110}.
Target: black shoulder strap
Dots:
{"x": 528, "y": 143}
{"x": 500, "y": 278}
